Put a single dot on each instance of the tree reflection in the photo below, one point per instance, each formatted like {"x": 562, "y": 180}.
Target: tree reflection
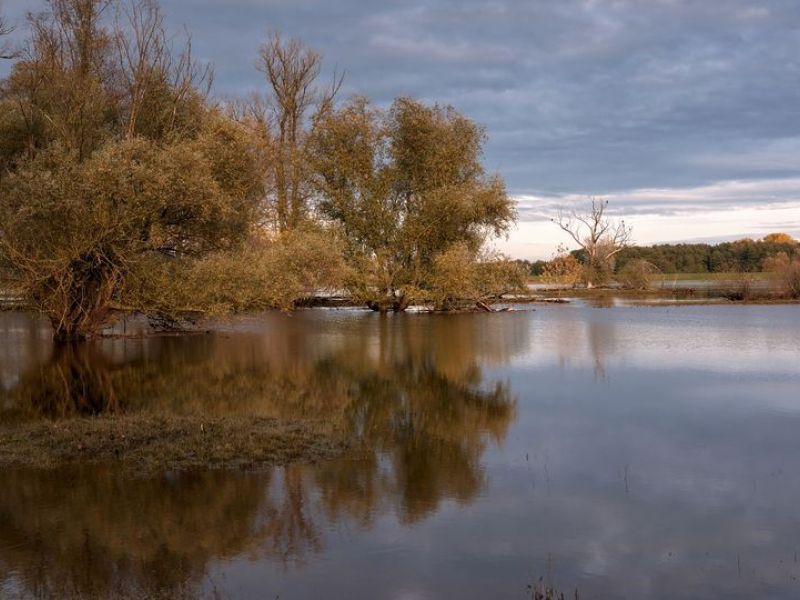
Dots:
{"x": 89, "y": 532}
{"x": 408, "y": 392}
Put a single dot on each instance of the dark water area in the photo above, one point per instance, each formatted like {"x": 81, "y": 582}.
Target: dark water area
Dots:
{"x": 626, "y": 452}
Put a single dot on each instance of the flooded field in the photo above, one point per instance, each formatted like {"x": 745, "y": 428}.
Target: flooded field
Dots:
{"x": 623, "y": 452}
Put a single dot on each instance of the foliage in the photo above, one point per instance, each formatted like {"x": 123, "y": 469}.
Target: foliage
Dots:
{"x": 637, "y": 274}
{"x": 779, "y": 238}
{"x": 110, "y": 155}
{"x": 790, "y": 278}
{"x": 261, "y": 274}
{"x": 122, "y": 185}
{"x": 739, "y": 256}
{"x": 460, "y": 278}
{"x": 533, "y": 268}
{"x": 775, "y": 262}
{"x": 405, "y": 186}
{"x": 536, "y": 267}
{"x": 74, "y": 230}
{"x": 564, "y": 269}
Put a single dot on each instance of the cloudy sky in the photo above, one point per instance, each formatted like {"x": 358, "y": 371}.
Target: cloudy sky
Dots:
{"x": 684, "y": 113}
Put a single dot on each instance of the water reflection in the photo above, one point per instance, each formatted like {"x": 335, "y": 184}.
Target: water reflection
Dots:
{"x": 92, "y": 533}
{"x": 410, "y": 393}
{"x": 629, "y": 452}
{"x": 287, "y": 366}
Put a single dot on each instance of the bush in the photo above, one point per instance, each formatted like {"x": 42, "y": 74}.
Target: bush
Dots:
{"x": 564, "y": 268}
{"x": 73, "y": 232}
{"x": 789, "y": 277}
{"x": 262, "y": 274}
{"x": 462, "y": 277}
{"x": 775, "y": 263}
{"x": 637, "y": 274}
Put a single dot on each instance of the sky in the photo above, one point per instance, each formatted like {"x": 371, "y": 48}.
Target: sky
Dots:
{"x": 684, "y": 114}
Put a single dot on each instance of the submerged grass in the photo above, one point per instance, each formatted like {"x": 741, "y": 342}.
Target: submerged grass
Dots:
{"x": 146, "y": 444}
{"x": 184, "y": 593}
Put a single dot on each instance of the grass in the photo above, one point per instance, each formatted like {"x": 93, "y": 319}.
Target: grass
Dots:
{"x": 710, "y": 276}
{"x": 145, "y": 443}
{"x": 728, "y": 276}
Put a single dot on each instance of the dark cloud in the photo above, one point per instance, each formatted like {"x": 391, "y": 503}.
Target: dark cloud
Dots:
{"x": 579, "y": 96}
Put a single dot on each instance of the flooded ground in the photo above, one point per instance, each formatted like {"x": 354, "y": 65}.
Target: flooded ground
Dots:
{"x": 626, "y": 452}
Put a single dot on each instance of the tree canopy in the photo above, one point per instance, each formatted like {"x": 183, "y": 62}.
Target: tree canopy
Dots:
{"x": 112, "y": 155}
{"x": 125, "y": 186}
{"x": 408, "y": 190}
{"x": 738, "y": 256}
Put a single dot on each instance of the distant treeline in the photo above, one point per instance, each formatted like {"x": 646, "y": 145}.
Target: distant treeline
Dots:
{"x": 744, "y": 255}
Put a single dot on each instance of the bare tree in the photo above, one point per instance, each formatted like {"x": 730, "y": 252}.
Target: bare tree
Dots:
{"x": 141, "y": 54}
{"x": 291, "y": 69}
{"x": 147, "y": 61}
{"x": 600, "y": 237}
{"x": 6, "y": 51}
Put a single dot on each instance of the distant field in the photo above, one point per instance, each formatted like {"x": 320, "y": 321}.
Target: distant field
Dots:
{"x": 709, "y": 276}
{"x": 692, "y": 277}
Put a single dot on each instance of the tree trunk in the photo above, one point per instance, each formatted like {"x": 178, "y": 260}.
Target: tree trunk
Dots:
{"x": 483, "y": 306}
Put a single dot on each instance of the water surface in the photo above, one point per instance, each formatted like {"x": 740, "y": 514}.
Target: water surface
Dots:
{"x": 626, "y": 452}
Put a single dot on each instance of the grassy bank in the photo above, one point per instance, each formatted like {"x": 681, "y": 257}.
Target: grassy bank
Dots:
{"x": 712, "y": 276}
{"x": 729, "y": 276}
{"x": 146, "y": 444}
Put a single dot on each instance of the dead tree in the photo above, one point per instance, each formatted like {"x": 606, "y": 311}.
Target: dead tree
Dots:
{"x": 600, "y": 237}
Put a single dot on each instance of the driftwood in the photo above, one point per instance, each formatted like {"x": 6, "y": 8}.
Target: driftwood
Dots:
{"x": 486, "y": 308}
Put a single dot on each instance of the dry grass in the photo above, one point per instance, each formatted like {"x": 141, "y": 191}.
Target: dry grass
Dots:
{"x": 144, "y": 443}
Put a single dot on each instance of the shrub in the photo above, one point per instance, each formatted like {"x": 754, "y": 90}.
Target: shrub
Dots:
{"x": 564, "y": 268}
{"x": 637, "y": 274}
{"x": 775, "y": 263}
{"x": 789, "y": 277}
{"x": 462, "y": 277}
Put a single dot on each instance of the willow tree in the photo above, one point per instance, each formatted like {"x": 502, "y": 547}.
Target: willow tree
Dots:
{"x": 408, "y": 190}
{"x": 112, "y": 158}
{"x": 76, "y": 232}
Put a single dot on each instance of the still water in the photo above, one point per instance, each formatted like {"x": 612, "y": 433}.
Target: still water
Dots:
{"x": 626, "y": 452}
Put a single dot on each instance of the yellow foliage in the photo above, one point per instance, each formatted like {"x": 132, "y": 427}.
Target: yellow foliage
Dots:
{"x": 563, "y": 269}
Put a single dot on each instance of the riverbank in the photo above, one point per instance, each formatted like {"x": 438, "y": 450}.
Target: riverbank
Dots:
{"x": 145, "y": 444}
{"x": 712, "y": 296}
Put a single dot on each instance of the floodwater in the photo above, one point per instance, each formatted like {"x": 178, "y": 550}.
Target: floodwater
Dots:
{"x": 626, "y": 452}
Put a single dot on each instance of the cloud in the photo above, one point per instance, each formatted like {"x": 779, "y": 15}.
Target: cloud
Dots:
{"x": 578, "y": 96}
{"x": 732, "y": 195}
{"x": 711, "y": 213}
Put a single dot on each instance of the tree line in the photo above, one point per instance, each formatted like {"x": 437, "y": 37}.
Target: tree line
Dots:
{"x": 126, "y": 185}
{"x": 740, "y": 256}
